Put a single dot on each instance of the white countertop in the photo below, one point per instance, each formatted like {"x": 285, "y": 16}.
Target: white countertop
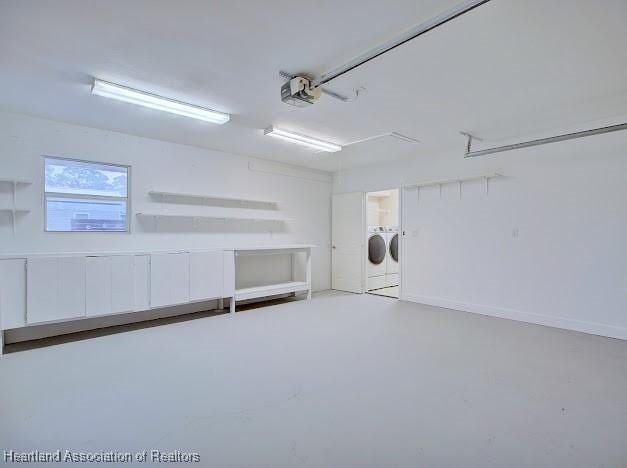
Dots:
{"x": 7, "y": 256}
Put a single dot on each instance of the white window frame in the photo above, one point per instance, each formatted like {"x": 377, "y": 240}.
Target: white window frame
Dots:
{"x": 78, "y": 196}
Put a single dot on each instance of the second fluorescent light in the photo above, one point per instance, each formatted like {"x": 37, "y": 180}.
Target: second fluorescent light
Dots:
{"x": 141, "y": 98}
{"x": 303, "y": 140}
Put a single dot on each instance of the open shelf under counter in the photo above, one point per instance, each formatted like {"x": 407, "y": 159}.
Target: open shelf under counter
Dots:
{"x": 285, "y": 287}
{"x": 270, "y": 290}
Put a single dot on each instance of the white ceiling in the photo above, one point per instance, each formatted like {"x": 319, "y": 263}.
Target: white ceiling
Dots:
{"x": 509, "y": 69}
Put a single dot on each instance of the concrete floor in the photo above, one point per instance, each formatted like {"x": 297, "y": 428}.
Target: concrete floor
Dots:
{"x": 340, "y": 381}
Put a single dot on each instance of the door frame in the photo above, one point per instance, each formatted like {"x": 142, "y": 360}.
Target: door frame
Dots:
{"x": 401, "y": 236}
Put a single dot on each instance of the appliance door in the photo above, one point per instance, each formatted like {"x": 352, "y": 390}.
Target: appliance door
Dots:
{"x": 376, "y": 249}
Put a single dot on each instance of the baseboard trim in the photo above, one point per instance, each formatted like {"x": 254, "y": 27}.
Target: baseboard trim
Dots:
{"x": 593, "y": 328}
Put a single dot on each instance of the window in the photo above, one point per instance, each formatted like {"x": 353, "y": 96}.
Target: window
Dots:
{"x": 85, "y": 196}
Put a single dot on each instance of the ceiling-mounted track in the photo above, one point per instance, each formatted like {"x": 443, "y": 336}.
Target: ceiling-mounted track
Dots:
{"x": 542, "y": 141}
{"x": 407, "y": 36}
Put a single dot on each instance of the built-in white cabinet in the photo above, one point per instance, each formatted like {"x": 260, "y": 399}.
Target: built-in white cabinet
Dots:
{"x": 122, "y": 284}
{"x": 228, "y": 271}
{"x": 205, "y": 275}
{"x": 55, "y": 289}
{"x": 109, "y": 285}
{"x": 141, "y": 281}
{"x": 12, "y": 293}
{"x": 45, "y": 288}
{"x": 169, "y": 279}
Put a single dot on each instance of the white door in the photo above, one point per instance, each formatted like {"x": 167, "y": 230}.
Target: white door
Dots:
{"x": 169, "y": 279}
{"x": 55, "y": 289}
{"x": 122, "y": 283}
{"x": 205, "y": 275}
{"x": 12, "y": 293}
{"x": 141, "y": 282}
{"x": 348, "y": 232}
{"x": 109, "y": 285}
{"x": 98, "y": 286}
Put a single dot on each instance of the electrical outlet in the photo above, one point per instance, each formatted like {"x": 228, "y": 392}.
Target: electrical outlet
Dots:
{"x": 414, "y": 233}
{"x": 515, "y": 233}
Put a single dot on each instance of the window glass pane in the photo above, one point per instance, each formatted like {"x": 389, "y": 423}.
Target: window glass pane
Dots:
{"x": 65, "y": 176}
{"x": 74, "y": 214}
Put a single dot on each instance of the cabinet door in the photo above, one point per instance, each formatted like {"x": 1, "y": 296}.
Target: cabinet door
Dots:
{"x": 169, "y": 279}
{"x": 141, "y": 282}
{"x": 179, "y": 279}
{"x": 98, "y": 286}
{"x": 122, "y": 283}
{"x": 12, "y": 293}
{"x": 205, "y": 275}
{"x": 55, "y": 289}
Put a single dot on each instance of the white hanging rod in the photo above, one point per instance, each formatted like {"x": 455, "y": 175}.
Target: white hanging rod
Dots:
{"x": 429, "y": 183}
{"x": 541, "y": 141}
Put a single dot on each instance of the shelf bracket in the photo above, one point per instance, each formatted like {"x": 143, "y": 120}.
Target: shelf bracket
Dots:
{"x": 469, "y": 139}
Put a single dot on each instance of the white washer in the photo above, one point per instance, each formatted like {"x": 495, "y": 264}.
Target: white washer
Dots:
{"x": 391, "y": 259}
{"x": 376, "y": 257}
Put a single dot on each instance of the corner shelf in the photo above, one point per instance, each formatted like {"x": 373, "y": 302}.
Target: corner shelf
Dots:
{"x": 207, "y": 197}
{"x": 13, "y": 210}
{"x": 13, "y": 181}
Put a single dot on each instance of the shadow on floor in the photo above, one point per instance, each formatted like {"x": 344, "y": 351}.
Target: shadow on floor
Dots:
{"x": 105, "y": 331}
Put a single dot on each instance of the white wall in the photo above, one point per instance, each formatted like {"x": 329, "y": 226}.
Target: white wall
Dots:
{"x": 547, "y": 245}
{"x": 158, "y": 165}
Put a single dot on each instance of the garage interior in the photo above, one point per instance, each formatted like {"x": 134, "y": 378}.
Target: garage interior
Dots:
{"x": 355, "y": 234}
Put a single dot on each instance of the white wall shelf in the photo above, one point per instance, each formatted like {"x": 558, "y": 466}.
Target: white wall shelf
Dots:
{"x": 218, "y": 217}
{"x": 14, "y": 210}
{"x": 13, "y": 181}
{"x": 206, "y": 197}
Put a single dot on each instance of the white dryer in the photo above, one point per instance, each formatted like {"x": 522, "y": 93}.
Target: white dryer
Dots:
{"x": 377, "y": 257}
{"x": 391, "y": 262}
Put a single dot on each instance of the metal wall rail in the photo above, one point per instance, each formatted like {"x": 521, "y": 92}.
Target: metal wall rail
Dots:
{"x": 407, "y": 36}
{"x": 541, "y": 141}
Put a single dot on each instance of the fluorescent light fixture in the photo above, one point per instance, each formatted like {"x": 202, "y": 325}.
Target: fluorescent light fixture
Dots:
{"x": 302, "y": 140}
{"x": 141, "y": 98}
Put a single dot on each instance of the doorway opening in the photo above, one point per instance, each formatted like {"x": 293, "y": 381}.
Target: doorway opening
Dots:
{"x": 382, "y": 241}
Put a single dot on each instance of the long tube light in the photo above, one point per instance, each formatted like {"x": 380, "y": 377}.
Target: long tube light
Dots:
{"x": 303, "y": 140}
{"x": 141, "y": 98}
